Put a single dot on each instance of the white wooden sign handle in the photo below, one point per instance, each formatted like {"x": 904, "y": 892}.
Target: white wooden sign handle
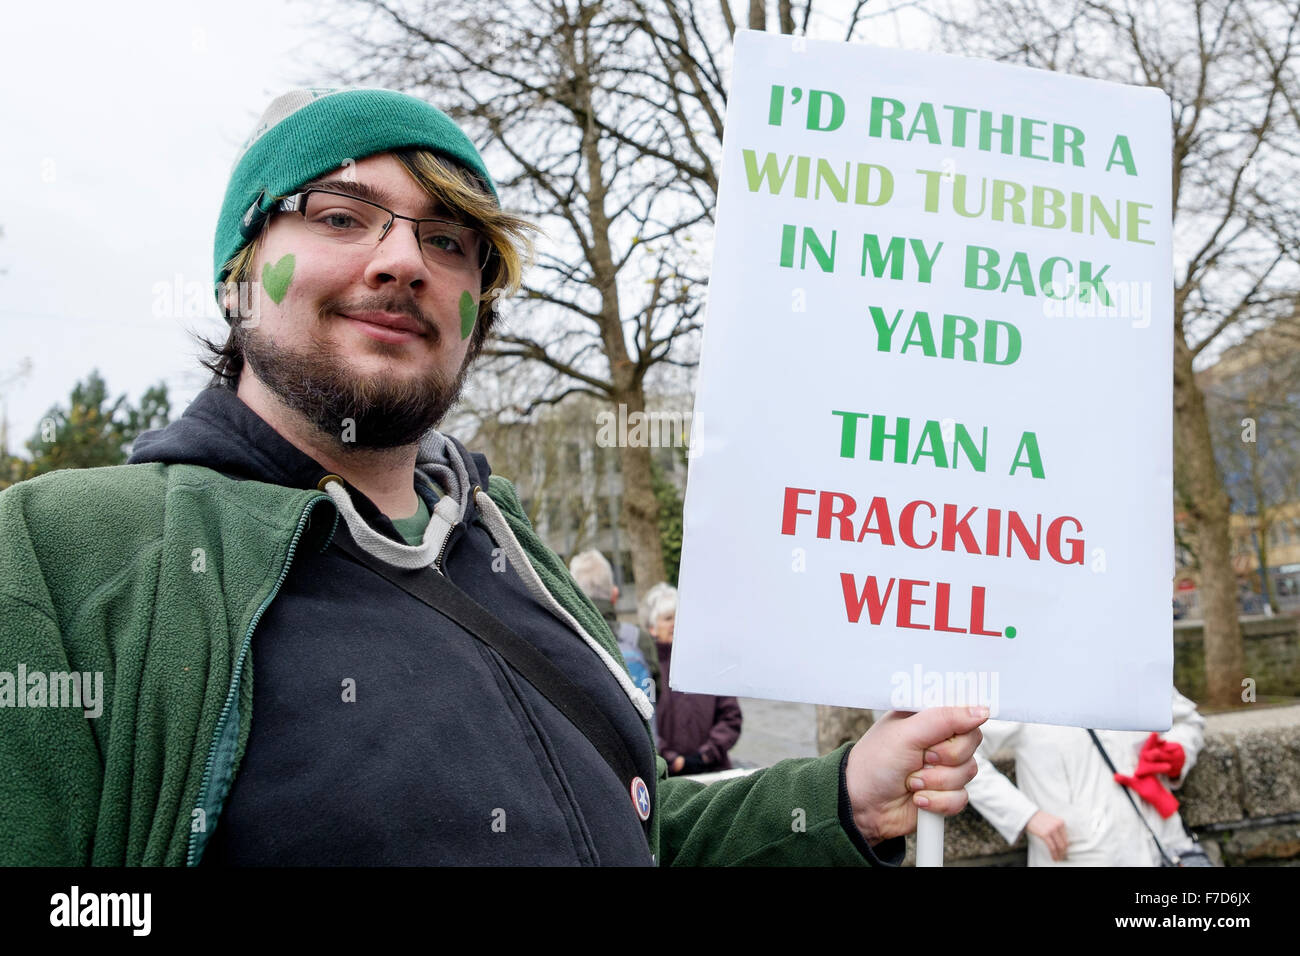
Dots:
{"x": 929, "y": 838}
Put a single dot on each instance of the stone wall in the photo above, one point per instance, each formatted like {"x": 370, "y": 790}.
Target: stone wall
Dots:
{"x": 1272, "y": 648}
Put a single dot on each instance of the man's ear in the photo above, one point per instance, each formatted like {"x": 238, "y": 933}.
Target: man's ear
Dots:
{"x": 230, "y": 302}
{"x": 613, "y": 594}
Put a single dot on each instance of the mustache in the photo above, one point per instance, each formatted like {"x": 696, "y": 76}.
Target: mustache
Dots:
{"x": 427, "y": 326}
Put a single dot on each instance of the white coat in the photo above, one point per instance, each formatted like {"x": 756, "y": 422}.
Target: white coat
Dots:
{"x": 1059, "y": 770}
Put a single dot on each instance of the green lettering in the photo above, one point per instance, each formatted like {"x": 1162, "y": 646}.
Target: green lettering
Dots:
{"x": 769, "y": 172}
{"x": 925, "y": 117}
{"x": 879, "y": 117}
{"x": 884, "y": 329}
{"x": 1018, "y": 274}
{"x": 920, "y": 328}
{"x": 966, "y": 337}
{"x": 849, "y": 432}
{"x": 931, "y": 445}
{"x": 1033, "y": 460}
{"x": 980, "y": 259}
{"x": 1027, "y": 138}
{"x": 892, "y": 257}
{"x": 1121, "y": 153}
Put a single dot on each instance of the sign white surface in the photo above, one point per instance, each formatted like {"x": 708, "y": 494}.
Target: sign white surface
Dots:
{"x": 931, "y": 449}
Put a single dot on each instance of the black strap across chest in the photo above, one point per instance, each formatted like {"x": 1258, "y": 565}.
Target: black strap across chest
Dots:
{"x": 434, "y": 590}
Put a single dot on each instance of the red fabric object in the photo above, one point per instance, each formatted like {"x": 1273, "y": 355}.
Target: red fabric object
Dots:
{"x": 1157, "y": 757}
{"x": 1160, "y": 756}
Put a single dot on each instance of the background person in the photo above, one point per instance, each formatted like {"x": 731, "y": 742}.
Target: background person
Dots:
{"x": 1068, "y": 800}
{"x": 594, "y": 575}
{"x": 696, "y": 731}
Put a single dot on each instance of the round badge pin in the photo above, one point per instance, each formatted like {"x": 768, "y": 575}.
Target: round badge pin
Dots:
{"x": 641, "y": 798}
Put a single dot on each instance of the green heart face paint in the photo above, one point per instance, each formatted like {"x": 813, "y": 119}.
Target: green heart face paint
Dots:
{"x": 468, "y": 313}
{"x": 276, "y": 278}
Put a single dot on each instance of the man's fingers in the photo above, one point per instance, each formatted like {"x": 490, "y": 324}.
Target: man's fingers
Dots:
{"x": 955, "y": 750}
{"x": 942, "y": 778}
{"x": 946, "y": 802}
{"x": 927, "y": 728}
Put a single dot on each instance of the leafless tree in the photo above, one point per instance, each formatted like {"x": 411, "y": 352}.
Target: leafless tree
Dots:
{"x": 1229, "y": 67}
{"x": 602, "y": 121}
{"x": 1253, "y": 402}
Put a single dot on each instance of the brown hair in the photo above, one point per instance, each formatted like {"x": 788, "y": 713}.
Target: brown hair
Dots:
{"x": 464, "y": 197}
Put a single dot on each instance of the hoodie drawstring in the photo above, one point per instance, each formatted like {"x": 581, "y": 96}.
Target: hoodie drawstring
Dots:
{"x": 505, "y": 539}
{"x": 445, "y": 516}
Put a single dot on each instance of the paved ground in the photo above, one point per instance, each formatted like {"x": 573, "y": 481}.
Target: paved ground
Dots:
{"x": 1253, "y": 718}
{"x": 774, "y": 730}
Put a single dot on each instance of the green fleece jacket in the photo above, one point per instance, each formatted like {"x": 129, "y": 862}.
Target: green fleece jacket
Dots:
{"x": 155, "y": 576}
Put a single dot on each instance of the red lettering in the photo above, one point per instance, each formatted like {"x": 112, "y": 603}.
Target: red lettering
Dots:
{"x": 1054, "y": 542}
{"x": 870, "y": 596}
{"x": 790, "y": 514}
{"x": 995, "y": 529}
{"x": 941, "y": 593}
{"x": 952, "y": 528}
{"x": 906, "y": 600}
{"x": 879, "y": 511}
{"x": 908, "y": 518}
{"x": 826, "y": 511}
{"x": 977, "y": 614}
{"x": 1016, "y": 527}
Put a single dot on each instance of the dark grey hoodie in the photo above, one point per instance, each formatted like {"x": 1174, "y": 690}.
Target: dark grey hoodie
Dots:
{"x": 384, "y": 734}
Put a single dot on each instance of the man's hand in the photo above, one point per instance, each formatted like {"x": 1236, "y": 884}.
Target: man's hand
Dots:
{"x": 910, "y": 761}
{"x": 678, "y": 764}
{"x": 1051, "y": 830}
{"x": 694, "y": 764}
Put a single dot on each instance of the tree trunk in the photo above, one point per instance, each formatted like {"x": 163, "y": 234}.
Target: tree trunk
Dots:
{"x": 1207, "y": 505}
{"x": 640, "y": 512}
{"x": 840, "y": 725}
{"x": 757, "y": 15}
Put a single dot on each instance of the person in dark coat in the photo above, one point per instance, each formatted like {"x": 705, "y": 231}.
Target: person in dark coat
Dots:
{"x": 695, "y": 731}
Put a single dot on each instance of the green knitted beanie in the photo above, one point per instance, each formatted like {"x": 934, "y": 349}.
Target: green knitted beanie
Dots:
{"x": 306, "y": 133}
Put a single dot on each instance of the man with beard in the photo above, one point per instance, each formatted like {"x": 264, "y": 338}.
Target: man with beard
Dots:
{"x": 431, "y": 685}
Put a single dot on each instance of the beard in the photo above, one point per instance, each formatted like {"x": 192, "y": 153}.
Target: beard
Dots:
{"x": 351, "y": 410}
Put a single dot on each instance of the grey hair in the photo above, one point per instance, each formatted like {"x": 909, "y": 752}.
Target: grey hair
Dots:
{"x": 661, "y": 601}
{"x": 643, "y": 608}
{"x": 594, "y": 575}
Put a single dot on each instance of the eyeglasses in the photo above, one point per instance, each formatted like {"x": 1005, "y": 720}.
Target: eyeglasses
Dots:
{"x": 345, "y": 218}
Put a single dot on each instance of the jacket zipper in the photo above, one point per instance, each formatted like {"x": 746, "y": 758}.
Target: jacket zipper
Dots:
{"x": 437, "y": 561}
{"x": 237, "y": 677}
{"x": 446, "y": 542}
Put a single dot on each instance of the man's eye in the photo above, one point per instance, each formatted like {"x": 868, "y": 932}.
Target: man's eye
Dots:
{"x": 339, "y": 220}
{"x": 444, "y": 243}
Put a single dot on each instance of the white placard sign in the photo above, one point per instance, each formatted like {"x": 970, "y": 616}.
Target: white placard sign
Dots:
{"x": 931, "y": 448}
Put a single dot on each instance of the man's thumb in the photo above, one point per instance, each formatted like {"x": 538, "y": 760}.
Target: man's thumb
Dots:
{"x": 937, "y": 724}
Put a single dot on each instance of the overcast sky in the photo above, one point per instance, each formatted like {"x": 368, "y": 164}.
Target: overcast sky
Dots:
{"x": 120, "y": 124}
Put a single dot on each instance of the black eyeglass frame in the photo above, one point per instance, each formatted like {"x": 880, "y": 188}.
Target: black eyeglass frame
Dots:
{"x": 297, "y": 202}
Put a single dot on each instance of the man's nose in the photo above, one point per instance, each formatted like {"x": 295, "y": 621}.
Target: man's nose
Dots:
{"x": 400, "y": 257}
